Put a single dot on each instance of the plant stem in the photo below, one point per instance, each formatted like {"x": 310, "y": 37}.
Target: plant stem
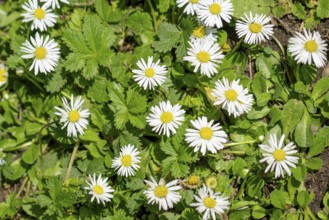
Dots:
{"x": 153, "y": 15}
{"x": 308, "y": 210}
{"x": 237, "y": 45}
{"x": 239, "y": 143}
{"x": 27, "y": 192}
{"x": 22, "y": 187}
{"x": 233, "y": 152}
{"x": 74, "y": 153}
{"x": 242, "y": 186}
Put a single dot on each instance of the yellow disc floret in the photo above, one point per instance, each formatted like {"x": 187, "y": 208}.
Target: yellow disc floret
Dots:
{"x": 206, "y": 133}
{"x": 215, "y": 8}
{"x": 255, "y": 28}
{"x": 149, "y": 72}
{"x": 199, "y": 32}
{"x": 193, "y": 180}
{"x": 279, "y": 155}
{"x": 231, "y": 95}
{"x": 40, "y": 53}
{"x": 74, "y": 116}
{"x": 98, "y": 190}
{"x": 211, "y": 182}
{"x": 194, "y": 1}
{"x": 3, "y": 75}
{"x": 209, "y": 202}
{"x": 126, "y": 160}
{"x": 311, "y": 46}
{"x": 160, "y": 191}
{"x": 39, "y": 13}
{"x": 203, "y": 56}
{"x": 166, "y": 117}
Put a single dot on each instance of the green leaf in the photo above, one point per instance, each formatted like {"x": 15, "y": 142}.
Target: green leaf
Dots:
{"x": 163, "y": 5}
{"x": 298, "y": 10}
{"x": 136, "y": 103}
{"x": 303, "y": 132}
{"x": 275, "y": 115}
{"x": 320, "y": 88}
{"x": 57, "y": 81}
{"x": 169, "y": 36}
{"x": 321, "y": 141}
{"x": 299, "y": 173}
{"x": 278, "y": 199}
{"x": 179, "y": 170}
{"x": 254, "y": 186}
{"x": 238, "y": 166}
{"x": 303, "y": 199}
{"x": 98, "y": 90}
{"x": 103, "y": 9}
{"x": 258, "y": 212}
{"x": 31, "y": 154}
{"x": 254, "y": 6}
{"x": 323, "y": 9}
{"x": 313, "y": 163}
{"x": 291, "y": 115}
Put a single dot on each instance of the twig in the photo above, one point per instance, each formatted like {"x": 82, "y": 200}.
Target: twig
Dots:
{"x": 74, "y": 153}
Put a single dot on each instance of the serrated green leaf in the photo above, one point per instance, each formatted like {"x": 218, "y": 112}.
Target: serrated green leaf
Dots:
{"x": 298, "y": 10}
{"x": 323, "y": 9}
{"x": 169, "y": 36}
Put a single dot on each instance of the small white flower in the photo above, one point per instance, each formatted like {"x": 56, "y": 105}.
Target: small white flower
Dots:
{"x": 73, "y": 117}
{"x": 127, "y": 162}
{"x": 165, "y": 118}
{"x": 204, "y": 54}
{"x": 45, "y": 53}
{"x": 212, "y": 12}
{"x": 41, "y": 17}
{"x": 205, "y": 136}
{"x": 191, "y": 6}
{"x": 233, "y": 97}
{"x": 308, "y": 47}
{"x": 165, "y": 195}
{"x": 254, "y": 29}
{"x": 55, "y": 3}
{"x": 278, "y": 156}
{"x": 204, "y": 32}
{"x": 210, "y": 203}
{"x": 99, "y": 189}
{"x": 3, "y": 74}
{"x": 149, "y": 75}
{"x": 2, "y": 162}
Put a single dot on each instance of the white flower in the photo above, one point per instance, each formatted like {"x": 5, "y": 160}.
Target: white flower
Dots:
{"x": 165, "y": 118}
{"x": 205, "y": 136}
{"x": 191, "y": 6}
{"x": 255, "y": 29}
{"x": 165, "y": 195}
{"x": 99, "y": 189}
{"x": 204, "y": 32}
{"x": 73, "y": 117}
{"x": 45, "y": 53}
{"x": 278, "y": 156}
{"x": 204, "y": 54}
{"x": 149, "y": 75}
{"x": 210, "y": 203}
{"x": 2, "y": 162}
{"x": 308, "y": 47}
{"x": 3, "y": 74}
{"x": 126, "y": 163}
{"x": 55, "y": 3}
{"x": 233, "y": 97}
{"x": 41, "y": 17}
{"x": 211, "y": 12}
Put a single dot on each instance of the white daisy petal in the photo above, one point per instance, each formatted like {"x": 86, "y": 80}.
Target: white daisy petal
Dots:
{"x": 55, "y": 3}
{"x": 191, "y": 6}
{"x": 99, "y": 189}
{"x": 127, "y": 163}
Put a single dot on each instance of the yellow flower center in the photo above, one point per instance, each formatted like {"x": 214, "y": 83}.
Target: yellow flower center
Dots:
{"x": 211, "y": 182}
{"x": 215, "y": 8}
{"x": 194, "y": 1}
{"x": 166, "y": 117}
{"x": 3, "y": 76}
{"x": 311, "y": 46}
{"x": 39, "y": 13}
{"x": 231, "y": 95}
{"x": 160, "y": 191}
{"x": 255, "y": 28}
{"x": 126, "y": 161}
{"x": 206, "y": 133}
{"x": 279, "y": 155}
{"x": 193, "y": 180}
{"x": 209, "y": 202}
{"x": 74, "y": 116}
{"x": 40, "y": 53}
{"x": 203, "y": 56}
{"x": 98, "y": 190}
{"x": 199, "y": 32}
{"x": 149, "y": 72}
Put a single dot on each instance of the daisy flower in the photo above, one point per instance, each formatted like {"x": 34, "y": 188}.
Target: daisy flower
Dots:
{"x": 202, "y": 32}
{"x": 45, "y": 53}
{"x": 3, "y": 74}
{"x": 41, "y": 17}
{"x": 73, "y": 117}
{"x": 126, "y": 163}
{"x": 165, "y": 195}
{"x": 233, "y": 97}
{"x": 308, "y": 47}
{"x": 191, "y": 6}
{"x": 278, "y": 156}
{"x": 55, "y": 3}
{"x": 99, "y": 189}
{"x": 212, "y": 12}
{"x": 165, "y": 118}
{"x": 204, "y": 54}
{"x": 210, "y": 203}
{"x": 254, "y": 29}
{"x": 205, "y": 136}
{"x": 149, "y": 75}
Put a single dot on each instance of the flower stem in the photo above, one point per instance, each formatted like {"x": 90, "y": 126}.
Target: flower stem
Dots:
{"x": 74, "y": 153}
{"x": 240, "y": 152}
{"x": 239, "y": 143}
{"x": 21, "y": 188}
{"x": 153, "y": 15}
